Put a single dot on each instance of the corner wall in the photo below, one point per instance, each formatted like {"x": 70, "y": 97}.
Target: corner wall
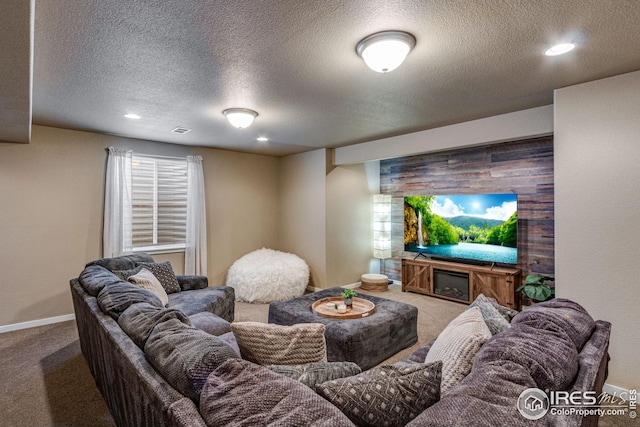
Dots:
{"x": 349, "y": 229}
{"x": 52, "y": 195}
{"x": 303, "y": 216}
{"x": 597, "y": 184}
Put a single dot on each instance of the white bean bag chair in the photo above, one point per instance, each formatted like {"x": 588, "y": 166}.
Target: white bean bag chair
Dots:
{"x": 267, "y": 275}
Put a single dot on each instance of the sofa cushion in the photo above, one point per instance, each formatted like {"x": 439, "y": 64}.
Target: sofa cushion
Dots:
{"x": 146, "y": 280}
{"x": 241, "y": 393}
{"x": 164, "y": 272}
{"x": 457, "y": 345}
{"x": 184, "y": 413}
{"x": 215, "y": 299}
{"x": 190, "y": 281}
{"x": 487, "y": 397}
{"x": 185, "y": 356}
{"x": 115, "y": 298}
{"x": 230, "y": 339}
{"x": 210, "y": 323}
{"x": 549, "y": 356}
{"x": 492, "y": 317}
{"x": 561, "y": 315}
{"x": 420, "y": 354}
{"x": 138, "y": 320}
{"x": 312, "y": 374}
{"x": 386, "y": 395}
{"x": 94, "y": 278}
{"x": 268, "y": 344}
{"x": 124, "y": 262}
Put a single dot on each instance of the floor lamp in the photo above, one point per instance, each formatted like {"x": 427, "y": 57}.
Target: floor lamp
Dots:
{"x": 382, "y": 227}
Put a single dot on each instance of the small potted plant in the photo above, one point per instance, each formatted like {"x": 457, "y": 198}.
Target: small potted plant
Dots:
{"x": 536, "y": 288}
{"x": 348, "y": 295}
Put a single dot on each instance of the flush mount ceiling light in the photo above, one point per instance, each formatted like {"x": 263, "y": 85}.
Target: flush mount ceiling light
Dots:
{"x": 240, "y": 117}
{"x": 262, "y": 139}
{"x": 385, "y": 51}
{"x": 132, "y": 116}
{"x": 559, "y": 49}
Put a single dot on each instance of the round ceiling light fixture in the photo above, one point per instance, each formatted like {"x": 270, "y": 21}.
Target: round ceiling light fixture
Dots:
{"x": 385, "y": 51}
{"x": 240, "y": 117}
{"x": 560, "y": 49}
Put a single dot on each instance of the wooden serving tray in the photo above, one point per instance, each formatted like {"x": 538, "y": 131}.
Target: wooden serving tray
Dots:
{"x": 361, "y": 308}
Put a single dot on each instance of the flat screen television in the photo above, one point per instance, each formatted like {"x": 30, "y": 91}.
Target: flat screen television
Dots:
{"x": 478, "y": 228}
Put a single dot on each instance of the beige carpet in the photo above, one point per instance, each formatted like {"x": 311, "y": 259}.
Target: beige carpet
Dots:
{"x": 44, "y": 380}
{"x": 433, "y": 314}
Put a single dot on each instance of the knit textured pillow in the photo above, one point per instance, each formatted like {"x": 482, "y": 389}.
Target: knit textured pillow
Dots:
{"x": 146, "y": 280}
{"x": 457, "y": 345}
{"x": 269, "y": 344}
{"x": 164, "y": 273}
{"x": 386, "y": 395}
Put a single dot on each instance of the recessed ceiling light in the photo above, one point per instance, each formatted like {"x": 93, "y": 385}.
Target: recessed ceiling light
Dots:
{"x": 132, "y": 116}
{"x": 559, "y": 49}
{"x": 262, "y": 138}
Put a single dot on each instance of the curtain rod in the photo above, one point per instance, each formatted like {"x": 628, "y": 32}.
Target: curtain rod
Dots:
{"x": 158, "y": 156}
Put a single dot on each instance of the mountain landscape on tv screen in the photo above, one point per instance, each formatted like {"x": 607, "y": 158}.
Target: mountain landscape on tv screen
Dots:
{"x": 479, "y": 227}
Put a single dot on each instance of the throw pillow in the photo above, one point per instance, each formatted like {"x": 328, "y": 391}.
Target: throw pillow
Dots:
{"x": 185, "y": 356}
{"x": 269, "y": 344}
{"x": 138, "y": 320}
{"x": 506, "y": 312}
{"x": 386, "y": 395}
{"x": 125, "y": 274}
{"x": 492, "y": 317}
{"x": 164, "y": 273}
{"x": 241, "y": 393}
{"x": 146, "y": 280}
{"x": 457, "y": 345}
{"x": 115, "y": 298}
{"x": 312, "y": 374}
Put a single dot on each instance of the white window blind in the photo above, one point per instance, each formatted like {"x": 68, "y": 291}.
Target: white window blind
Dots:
{"x": 159, "y": 203}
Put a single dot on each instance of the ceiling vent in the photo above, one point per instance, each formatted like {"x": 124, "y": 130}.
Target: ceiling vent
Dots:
{"x": 180, "y": 130}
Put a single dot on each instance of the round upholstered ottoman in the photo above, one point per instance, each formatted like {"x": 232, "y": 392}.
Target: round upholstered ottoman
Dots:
{"x": 267, "y": 275}
{"x": 374, "y": 282}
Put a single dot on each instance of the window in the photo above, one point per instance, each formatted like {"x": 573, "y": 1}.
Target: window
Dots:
{"x": 159, "y": 190}
{"x": 154, "y": 204}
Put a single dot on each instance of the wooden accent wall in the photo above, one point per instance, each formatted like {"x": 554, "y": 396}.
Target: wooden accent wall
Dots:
{"x": 521, "y": 167}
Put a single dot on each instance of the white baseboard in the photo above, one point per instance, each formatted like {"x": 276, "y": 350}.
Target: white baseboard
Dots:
{"x": 34, "y": 323}
{"x": 613, "y": 390}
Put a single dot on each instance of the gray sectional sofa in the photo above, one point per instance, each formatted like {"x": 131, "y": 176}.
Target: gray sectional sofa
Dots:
{"x": 147, "y": 379}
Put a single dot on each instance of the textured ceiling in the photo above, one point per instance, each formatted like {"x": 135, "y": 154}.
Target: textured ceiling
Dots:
{"x": 181, "y": 62}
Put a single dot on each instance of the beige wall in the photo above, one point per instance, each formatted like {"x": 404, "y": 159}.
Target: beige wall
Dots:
{"x": 349, "y": 230}
{"x": 505, "y": 127}
{"x": 303, "y": 210}
{"x": 597, "y": 185}
{"x": 51, "y": 201}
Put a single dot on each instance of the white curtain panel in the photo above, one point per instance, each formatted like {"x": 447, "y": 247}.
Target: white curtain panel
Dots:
{"x": 117, "y": 204}
{"x": 195, "y": 257}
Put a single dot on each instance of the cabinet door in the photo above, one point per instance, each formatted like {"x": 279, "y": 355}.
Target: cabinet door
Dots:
{"x": 415, "y": 277}
{"x": 498, "y": 286}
